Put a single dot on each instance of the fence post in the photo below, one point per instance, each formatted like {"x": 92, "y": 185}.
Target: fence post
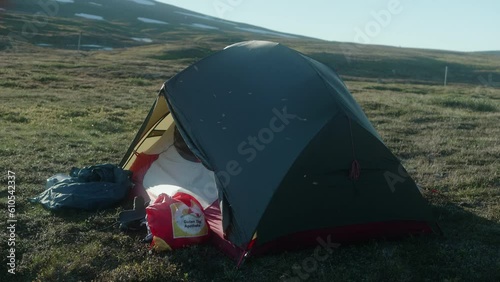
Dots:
{"x": 445, "y": 75}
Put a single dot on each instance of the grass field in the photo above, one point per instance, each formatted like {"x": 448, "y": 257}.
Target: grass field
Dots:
{"x": 63, "y": 108}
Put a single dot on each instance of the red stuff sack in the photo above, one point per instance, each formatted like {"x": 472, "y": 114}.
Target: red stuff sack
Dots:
{"x": 178, "y": 221}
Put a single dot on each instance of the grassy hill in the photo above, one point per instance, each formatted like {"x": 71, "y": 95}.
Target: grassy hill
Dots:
{"x": 116, "y": 24}
{"x": 61, "y": 108}
{"x": 497, "y": 53}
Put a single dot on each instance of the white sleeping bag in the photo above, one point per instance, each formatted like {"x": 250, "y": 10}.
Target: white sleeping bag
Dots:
{"x": 171, "y": 173}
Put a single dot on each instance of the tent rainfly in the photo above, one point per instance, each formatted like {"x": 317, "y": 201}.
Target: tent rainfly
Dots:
{"x": 293, "y": 157}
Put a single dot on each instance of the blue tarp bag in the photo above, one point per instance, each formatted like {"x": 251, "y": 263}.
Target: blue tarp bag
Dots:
{"x": 90, "y": 188}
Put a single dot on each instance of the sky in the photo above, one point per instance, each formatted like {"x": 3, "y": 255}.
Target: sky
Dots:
{"x": 462, "y": 25}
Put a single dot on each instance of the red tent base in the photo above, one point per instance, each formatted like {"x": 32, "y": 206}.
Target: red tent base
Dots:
{"x": 327, "y": 238}
{"x": 346, "y": 235}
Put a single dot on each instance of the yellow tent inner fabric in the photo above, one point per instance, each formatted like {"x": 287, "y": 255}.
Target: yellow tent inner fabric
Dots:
{"x": 158, "y": 121}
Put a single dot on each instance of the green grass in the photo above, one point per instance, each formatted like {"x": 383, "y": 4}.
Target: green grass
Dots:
{"x": 184, "y": 53}
{"x": 65, "y": 108}
{"x": 466, "y": 103}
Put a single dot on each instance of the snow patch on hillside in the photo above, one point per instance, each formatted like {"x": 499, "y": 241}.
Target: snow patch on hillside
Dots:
{"x": 89, "y": 16}
{"x": 204, "y": 17}
{"x": 148, "y": 20}
{"x": 144, "y": 2}
{"x": 95, "y": 46}
{"x": 145, "y": 40}
{"x": 195, "y": 16}
{"x": 265, "y": 32}
{"x": 204, "y": 26}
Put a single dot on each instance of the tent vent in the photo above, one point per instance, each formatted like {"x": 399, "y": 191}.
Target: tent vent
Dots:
{"x": 355, "y": 170}
{"x": 156, "y": 133}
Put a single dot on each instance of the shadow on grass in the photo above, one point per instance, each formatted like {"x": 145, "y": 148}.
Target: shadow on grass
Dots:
{"x": 91, "y": 248}
{"x": 466, "y": 252}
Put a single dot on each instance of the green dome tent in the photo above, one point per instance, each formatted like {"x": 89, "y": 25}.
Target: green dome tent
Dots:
{"x": 293, "y": 155}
